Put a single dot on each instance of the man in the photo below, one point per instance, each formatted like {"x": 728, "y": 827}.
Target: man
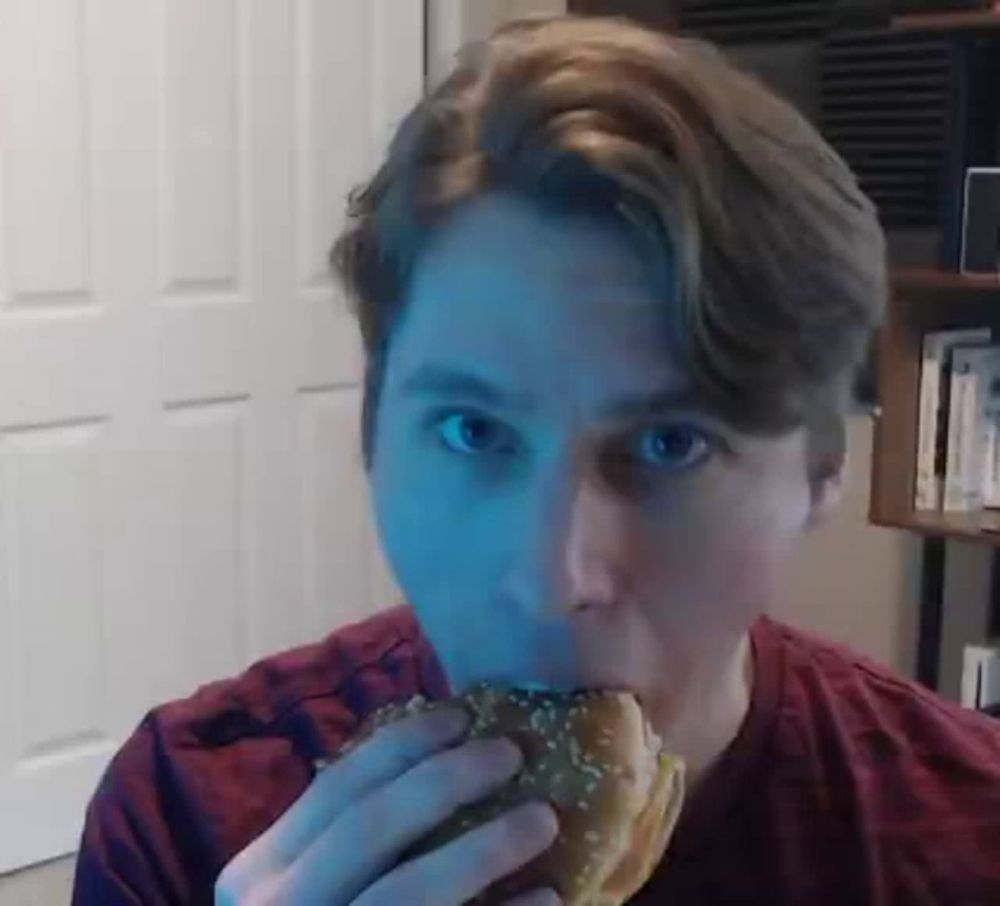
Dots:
{"x": 613, "y": 295}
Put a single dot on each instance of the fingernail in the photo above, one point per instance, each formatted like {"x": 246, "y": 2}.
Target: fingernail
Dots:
{"x": 500, "y": 755}
{"x": 543, "y": 897}
{"x": 537, "y": 822}
{"x": 449, "y": 723}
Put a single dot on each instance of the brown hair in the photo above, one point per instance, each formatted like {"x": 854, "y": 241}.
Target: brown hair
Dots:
{"x": 769, "y": 258}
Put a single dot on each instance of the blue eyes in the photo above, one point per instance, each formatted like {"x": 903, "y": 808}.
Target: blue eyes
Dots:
{"x": 673, "y": 447}
{"x": 468, "y": 433}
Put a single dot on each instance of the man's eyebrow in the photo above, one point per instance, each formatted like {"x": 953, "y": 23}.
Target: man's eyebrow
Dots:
{"x": 458, "y": 384}
{"x": 455, "y": 383}
{"x": 650, "y": 405}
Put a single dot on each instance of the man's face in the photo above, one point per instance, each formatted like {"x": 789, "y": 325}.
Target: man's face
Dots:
{"x": 554, "y": 505}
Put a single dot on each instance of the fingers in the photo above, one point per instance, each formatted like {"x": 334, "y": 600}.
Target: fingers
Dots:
{"x": 390, "y": 753}
{"x": 469, "y": 864}
{"x": 544, "y": 897}
{"x": 377, "y": 828}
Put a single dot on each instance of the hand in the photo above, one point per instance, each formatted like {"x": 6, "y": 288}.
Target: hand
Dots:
{"x": 341, "y": 841}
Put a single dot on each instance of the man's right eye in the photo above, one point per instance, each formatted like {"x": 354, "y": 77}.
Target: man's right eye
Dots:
{"x": 470, "y": 433}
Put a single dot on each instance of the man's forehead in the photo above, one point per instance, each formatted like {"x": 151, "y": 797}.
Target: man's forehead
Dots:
{"x": 503, "y": 245}
{"x": 540, "y": 314}
{"x": 454, "y": 381}
{"x": 522, "y": 317}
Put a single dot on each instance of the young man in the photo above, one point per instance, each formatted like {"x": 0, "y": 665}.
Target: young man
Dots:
{"x": 613, "y": 295}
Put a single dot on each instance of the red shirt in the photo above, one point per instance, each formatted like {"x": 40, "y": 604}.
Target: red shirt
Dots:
{"x": 846, "y": 784}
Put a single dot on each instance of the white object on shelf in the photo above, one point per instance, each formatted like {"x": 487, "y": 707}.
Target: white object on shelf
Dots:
{"x": 980, "y": 676}
{"x": 965, "y": 466}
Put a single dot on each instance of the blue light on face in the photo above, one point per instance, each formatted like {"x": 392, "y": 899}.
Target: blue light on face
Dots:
{"x": 671, "y": 447}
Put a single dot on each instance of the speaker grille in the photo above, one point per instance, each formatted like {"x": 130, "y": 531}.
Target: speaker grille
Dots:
{"x": 884, "y": 106}
{"x": 742, "y": 22}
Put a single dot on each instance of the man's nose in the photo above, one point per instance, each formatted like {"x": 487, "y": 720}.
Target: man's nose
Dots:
{"x": 597, "y": 551}
{"x": 585, "y": 556}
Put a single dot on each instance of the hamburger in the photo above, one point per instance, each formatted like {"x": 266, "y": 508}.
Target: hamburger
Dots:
{"x": 595, "y": 758}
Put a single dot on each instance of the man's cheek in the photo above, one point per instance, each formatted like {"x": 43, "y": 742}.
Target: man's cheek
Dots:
{"x": 711, "y": 576}
{"x": 756, "y": 572}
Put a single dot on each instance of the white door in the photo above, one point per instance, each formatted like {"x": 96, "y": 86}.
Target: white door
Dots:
{"x": 180, "y": 481}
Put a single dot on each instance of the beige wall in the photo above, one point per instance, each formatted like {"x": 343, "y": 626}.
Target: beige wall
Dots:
{"x": 966, "y": 609}
{"x": 861, "y": 585}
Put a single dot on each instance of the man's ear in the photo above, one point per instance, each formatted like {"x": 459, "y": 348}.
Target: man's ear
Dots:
{"x": 826, "y": 491}
{"x": 827, "y": 467}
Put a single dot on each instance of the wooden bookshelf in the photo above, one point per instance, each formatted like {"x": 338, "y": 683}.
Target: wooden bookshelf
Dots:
{"x": 929, "y": 280}
{"x": 966, "y": 20}
{"x": 922, "y": 300}
{"x": 979, "y": 527}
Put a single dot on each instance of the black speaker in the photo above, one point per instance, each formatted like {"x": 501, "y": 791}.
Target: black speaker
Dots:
{"x": 911, "y": 111}
{"x": 981, "y": 222}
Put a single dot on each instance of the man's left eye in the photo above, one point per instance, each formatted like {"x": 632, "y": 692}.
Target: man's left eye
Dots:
{"x": 469, "y": 433}
{"x": 674, "y": 447}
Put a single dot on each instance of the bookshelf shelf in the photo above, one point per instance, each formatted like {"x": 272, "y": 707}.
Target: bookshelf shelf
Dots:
{"x": 968, "y": 20}
{"x": 928, "y": 280}
{"x": 983, "y": 527}
{"x": 922, "y": 300}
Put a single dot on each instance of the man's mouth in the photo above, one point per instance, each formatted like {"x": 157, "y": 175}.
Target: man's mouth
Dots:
{"x": 557, "y": 687}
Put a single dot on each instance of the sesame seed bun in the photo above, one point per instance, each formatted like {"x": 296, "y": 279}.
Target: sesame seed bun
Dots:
{"x": 593, "y": 756}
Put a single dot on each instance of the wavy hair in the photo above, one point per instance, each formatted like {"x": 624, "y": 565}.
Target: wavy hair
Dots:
{"x": 769, "y": 258}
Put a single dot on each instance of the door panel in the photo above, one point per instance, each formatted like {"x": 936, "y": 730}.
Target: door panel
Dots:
{"x": 181, "y": 488}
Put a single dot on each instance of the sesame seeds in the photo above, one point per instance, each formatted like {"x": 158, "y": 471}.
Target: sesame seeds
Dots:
{"x": 570, "y": 748}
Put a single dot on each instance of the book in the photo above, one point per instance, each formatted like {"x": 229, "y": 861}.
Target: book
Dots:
{"x": 932, "y": 426}
{"x": 980, "y": 676}
{"x": 968, "y": 432}
{"x": 958, "y": 431}
{"x": 991, "y": 491}
{"x": 991, "y": 428}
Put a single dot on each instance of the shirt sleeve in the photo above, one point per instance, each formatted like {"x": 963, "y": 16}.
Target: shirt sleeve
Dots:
{"x": 103, "y": 865}
{"x": 126, "y": 854}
